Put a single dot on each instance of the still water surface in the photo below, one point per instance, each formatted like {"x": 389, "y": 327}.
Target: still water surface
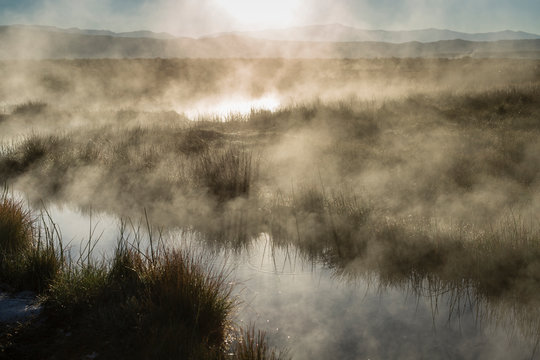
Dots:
{"x": 302, "y": 306}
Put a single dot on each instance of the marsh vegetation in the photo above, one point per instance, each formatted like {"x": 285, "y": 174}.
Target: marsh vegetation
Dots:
{"x": 136, "y": 303}
{"x": 419, "y": 175}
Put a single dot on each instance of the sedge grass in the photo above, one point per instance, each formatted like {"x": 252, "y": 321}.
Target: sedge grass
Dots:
{"x": 16, "y": 226}
{"x": 253, "y": 345}
{"x": 28, "y": 260}
{"x": 227, "y": 173}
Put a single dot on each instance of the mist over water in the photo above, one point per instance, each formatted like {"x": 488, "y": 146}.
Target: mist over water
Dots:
{"x": 369, "y": 209}
{"x": 304, "y": 306}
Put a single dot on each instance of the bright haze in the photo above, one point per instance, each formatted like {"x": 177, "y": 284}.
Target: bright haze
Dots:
{"x": 196, "y": 18}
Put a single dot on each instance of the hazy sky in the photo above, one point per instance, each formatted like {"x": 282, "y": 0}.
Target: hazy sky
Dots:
{"x": 199, "y": 17}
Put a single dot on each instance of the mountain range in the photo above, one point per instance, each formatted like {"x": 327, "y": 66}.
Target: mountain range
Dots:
{"x": 317, "y": 33}
{"x": 38, "y": 42}
{"x": 341, "y": 33}
{"x": 130, "y": 34}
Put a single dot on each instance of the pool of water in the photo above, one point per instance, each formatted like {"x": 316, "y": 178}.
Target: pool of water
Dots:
{"x": 306, "y": 308}
{"x": 230, "y": 107}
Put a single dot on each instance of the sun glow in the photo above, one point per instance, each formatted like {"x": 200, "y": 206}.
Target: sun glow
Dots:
{"x": 262, "y": 13}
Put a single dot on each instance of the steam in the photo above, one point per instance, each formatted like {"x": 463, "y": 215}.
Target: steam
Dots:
{"x": 359, "y": 200}
{"x": 347, "y": 164}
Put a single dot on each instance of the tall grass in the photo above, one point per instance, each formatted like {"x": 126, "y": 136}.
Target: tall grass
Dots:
{"x": 20, "y": 157}
{"x": 227, "y": 173}
{"x": 30, "y": 108}
{"x": 253, "y": 345}
{"x": 174, "y": 303}
{"x": 326, "y": 225}
{"x": 29, "y": 259}
{"x": 16, "y": 226}
{"x": 182, "y": 290}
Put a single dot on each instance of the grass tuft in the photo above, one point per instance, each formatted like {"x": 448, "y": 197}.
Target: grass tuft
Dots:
{"x": 182, "y": 290}
{"x": 30, "y": 108}
{"x": 227, "y": 173}
{"x": 253, "y": 346}
{"x": 174, "y": 304}
{"x": 29, "y": 257}
{"x": 16, "y": 227}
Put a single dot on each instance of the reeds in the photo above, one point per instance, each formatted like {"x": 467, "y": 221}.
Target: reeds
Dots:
{"x": 16, "y": 226}
{"x": 253, "y": 345}
{"x": 227, "y": 173}
{"x": 30, "y": 108}
{"x": 27, "y": 260}
{"x": 182, "y": 290}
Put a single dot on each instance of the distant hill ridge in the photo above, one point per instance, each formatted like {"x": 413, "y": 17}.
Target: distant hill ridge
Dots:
{"x": 28, "y": 42}
{"x": 130, "y": 34}
{"x": 342, "y": 33}
{"x": 318, "y": 33}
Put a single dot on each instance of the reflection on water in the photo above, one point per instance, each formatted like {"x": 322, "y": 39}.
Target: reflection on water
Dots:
{"x": 230, "y": 107}
{"x": 78, "y": 228}
{"x": 304, "y": 307}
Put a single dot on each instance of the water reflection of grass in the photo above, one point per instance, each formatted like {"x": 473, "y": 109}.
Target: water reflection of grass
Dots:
{"x": 493, "y": 272}
{"x": 352, "y": 237}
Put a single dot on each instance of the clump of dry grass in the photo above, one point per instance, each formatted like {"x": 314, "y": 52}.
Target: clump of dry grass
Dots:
{"x": 16, "y": 226}
{"x": 325, "y": 225}
{"x": 181, "y": 290}
{"x": 29, "y": 258}
{"x": 174, "y": 303}
{"x": 30, "y": 108}
{"x": 227, "y": 173}
{"x": 253, "y": 346}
